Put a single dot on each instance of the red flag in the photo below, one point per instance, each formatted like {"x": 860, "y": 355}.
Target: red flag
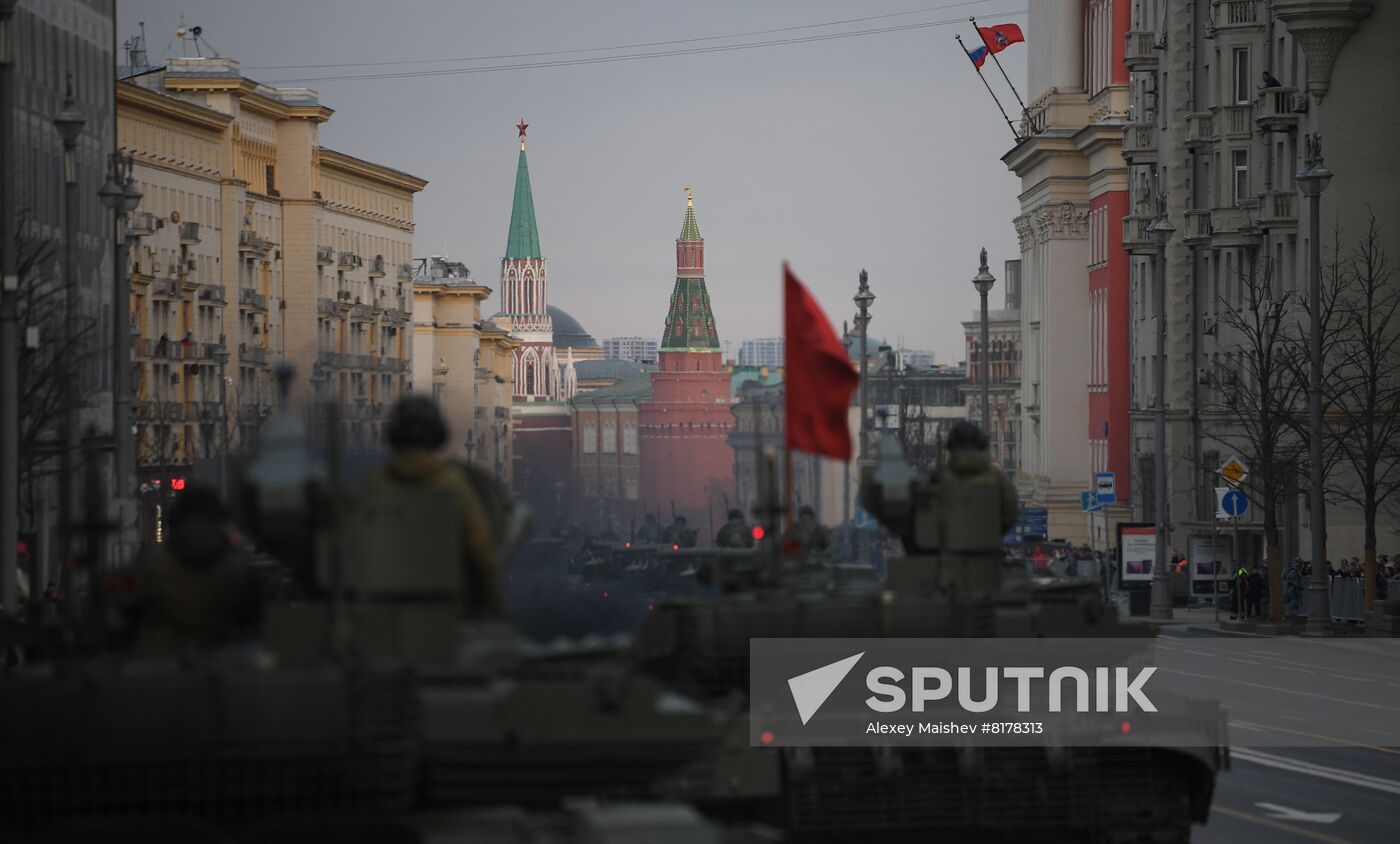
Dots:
{"x": 817, "y": 374}
{"x": 1001, "y": 36}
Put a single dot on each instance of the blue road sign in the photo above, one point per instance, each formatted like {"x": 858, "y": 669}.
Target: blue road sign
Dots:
{"x": 1089, "y": 502}
{"x": 863, "y": 518}
{"x": 1035, "y": 521}
{"x": 1234, "y": 503}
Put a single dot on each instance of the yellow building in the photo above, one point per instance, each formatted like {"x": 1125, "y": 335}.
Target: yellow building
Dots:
{"x": 467, "y": 361}
{"x": 258, "y": 247}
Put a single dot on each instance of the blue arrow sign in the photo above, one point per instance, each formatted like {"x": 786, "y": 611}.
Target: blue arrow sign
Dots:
{"x": 1234, "y": 503}
{"x": 1089, "y": 502}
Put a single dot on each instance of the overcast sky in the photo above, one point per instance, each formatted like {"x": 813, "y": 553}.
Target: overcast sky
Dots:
{"x": 880, "y": 151}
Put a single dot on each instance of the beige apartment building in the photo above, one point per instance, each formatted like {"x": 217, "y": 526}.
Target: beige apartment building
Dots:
{"x": 257, "y": 247}
{"x": 467, "y": 360}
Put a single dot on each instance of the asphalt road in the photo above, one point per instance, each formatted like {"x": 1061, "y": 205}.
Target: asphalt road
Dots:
{"x": 1292, "y": 795}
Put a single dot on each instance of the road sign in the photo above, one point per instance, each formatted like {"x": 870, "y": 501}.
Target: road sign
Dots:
{"x": 1234, "y": 471}
{"x": 1233, "y": 503}
{"x": 1089, "y": 502}
{"x": 1035, "y": 521}
{"x": 863, "y": 518}
{"x": 1106, "y": 487}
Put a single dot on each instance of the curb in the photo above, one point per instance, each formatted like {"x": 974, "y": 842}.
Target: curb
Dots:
{"x": 1196, "y": 628}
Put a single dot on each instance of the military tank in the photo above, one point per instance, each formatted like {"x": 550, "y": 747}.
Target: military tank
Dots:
{"x": 953, "y": 581}
{"x": 365, "y": 710}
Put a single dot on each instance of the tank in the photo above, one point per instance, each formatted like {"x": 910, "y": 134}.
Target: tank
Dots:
{"x": 953, "y": 581}
{"x": 364, "y": 708}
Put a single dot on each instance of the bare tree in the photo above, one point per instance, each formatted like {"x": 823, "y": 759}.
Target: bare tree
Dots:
{"x": 1363, "y": 386}
{"x": 1259, "y": 396}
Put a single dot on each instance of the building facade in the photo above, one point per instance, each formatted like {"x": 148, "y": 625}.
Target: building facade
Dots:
{"x": 635, "y": 349}
{"x": 1074, "y": 336}
{"x": 256, "y": 247}
{"x": 1222, "y": 146}
{"x": 60, "y": 49}
{"x": 447, "y": 352}
{"x": 686, "y": 460}
{"x": 607, "y": 455}
{"x": 1003, "y": 365}
{"x": 765, "y": 351}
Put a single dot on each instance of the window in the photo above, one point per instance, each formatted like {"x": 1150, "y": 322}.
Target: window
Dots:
{"x": 1239, "y": 165}
{"x": 1243, "y": 84}
{"x": 629, "y": 438}
{"x": 590, "y": 437}
{"x": 609, "y": 436}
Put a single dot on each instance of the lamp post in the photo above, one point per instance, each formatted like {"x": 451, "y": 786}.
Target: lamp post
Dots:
{"x": 1313, "y": 179}
{"x": 9, "y": 329}
{"x": 983, "y": 282}
{"x": 221, "y": 358}
{"x": 121, "y": 196}
{"x": 69, "y": 122}
{"x": 1160, "y": 609}
{"x": 863, "y": 299}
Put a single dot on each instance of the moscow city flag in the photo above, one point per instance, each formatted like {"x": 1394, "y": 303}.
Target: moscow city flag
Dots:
{"x": 999, "y": 37}
{"x": 817, "y": 374}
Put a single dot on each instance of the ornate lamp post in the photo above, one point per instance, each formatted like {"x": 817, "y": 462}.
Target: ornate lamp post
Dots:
{"x": 983, "y": 281}
{"x": 69, "y": 122}
{"x": 1161, "y": 230}
{"x": 1312, "y": 181}
{"x": 121, "y": 196}
{"x": 863, "y": 299}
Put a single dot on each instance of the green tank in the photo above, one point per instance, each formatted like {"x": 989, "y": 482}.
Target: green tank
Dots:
{"x": 953, "y": 581}
{"x": 366, "y": 710}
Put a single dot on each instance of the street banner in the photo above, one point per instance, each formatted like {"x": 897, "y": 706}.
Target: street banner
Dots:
{"x": 1138, "y": 546}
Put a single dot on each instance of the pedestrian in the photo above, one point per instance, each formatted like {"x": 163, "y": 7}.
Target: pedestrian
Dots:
{"x": 1255, "y": 592}
{"x": 1270, "y": 81}
{"x": 735, "y": 533}
{"x": 1293, "y": 588}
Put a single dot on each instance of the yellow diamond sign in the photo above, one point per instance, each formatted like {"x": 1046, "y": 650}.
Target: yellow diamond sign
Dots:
{"x": 1234, "y": 471}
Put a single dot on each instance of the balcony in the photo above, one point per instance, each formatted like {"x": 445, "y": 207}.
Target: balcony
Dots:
{"x": 168, "y": 288}
{"x": 144, "y": 223}
{"x": 325, "y": 255}
{"x": 170, "y": 411}
{"x": 405, "y": 272}
{"x": 1200, "y": 129}
{"x": 1277, "y": 109}
{"x": 1278, "y": 209}
{"x": 1136, "y": 240}
{"x": 327, "y": 307}
{"x": 202, "y": 411}
{"x": 1237, "y": 121}
{"x": 189, "y": 233}
{"x": 1197, "y": 231}
{"x": 343, "y": 296}
{"x": 376, "y": 267}
{"x": 1140, "y": 51}
{"x": 250, "y": 242}
{"x": 1140, "y": 143}
{"x": 252, "y": 299}
{"x": 252, "y": 353}
{"x": 361, "y": 312}
{"x": 349, "y": 261}
{"x": 395, "y": 315}
{"x": 212, "y": 294}
{"x": 1231, "y": 14}
{"x": 1235, "y": 226}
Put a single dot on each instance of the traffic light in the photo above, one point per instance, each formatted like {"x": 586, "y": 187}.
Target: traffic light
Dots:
{"x": 757, "y": 532}
{"x": 177, "y": 483}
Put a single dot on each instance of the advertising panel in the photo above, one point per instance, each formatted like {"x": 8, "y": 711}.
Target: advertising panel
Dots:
{"x": 1137, "y": 545}
{"x": 1205, "y": 552}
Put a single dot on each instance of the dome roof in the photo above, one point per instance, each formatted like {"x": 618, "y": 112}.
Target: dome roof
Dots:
{"x": 568, "y": 334}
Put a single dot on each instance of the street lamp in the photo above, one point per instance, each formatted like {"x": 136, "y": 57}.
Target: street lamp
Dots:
{"x": 1161, "y": 230}
{"x": 69, "y": 122}
{"x": 121, "y": 196}
{"x": 1313, "y": 179}
{"x": 983, "y": 281}
{"x": 863, "y": 299}
{"x": 221, "y": 358}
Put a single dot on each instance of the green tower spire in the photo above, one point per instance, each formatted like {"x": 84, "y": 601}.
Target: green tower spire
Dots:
{"x": 690, "y": 324}
{"x": 524, "y": 240}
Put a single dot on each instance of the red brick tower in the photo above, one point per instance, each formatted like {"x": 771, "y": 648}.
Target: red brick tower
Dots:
{"x": 686, "y": 459}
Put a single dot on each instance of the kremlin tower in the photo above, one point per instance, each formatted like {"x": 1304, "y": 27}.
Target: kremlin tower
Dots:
{"x": 684, "y": 428}
{"x": 524, "y": 294}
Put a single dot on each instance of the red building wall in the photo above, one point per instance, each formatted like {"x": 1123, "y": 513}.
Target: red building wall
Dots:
{"x": 1108, "y": 410}
{"x": 684, "y": 432}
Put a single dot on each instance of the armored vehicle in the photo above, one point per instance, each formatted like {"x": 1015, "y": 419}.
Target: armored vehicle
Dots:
{"x": 953, "y": 581}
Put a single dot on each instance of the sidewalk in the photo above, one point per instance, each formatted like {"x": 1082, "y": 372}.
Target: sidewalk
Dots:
{"x": 1202, "y": 618}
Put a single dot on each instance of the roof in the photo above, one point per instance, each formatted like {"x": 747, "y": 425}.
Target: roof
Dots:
{"x": 690, "y": 230}
{"x": 742, "y": 376}
{"x": 524, "y": 239}
{"x": 567, "y": 331}
{"x": 614, "y": 370}
{"x": 636, "y": 387}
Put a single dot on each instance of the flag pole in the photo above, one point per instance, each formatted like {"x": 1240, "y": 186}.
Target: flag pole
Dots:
{"x": 999, "y": 67}
{"x": 1015, "y": 134}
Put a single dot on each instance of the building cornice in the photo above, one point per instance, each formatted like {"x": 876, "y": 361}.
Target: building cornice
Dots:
{"x": 377, "y": 173}
{"x": 132, "y": 96}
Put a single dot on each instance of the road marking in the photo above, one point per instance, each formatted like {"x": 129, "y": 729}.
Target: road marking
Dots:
{"x": 1353, "y": 679}
{"x": 1276, "y": 689}
{"x": 1284, "y": 763}
{"x": 1333, "y": 739}
{"x": 1283, "y": 813}
{"x": 1282, "y": 827}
